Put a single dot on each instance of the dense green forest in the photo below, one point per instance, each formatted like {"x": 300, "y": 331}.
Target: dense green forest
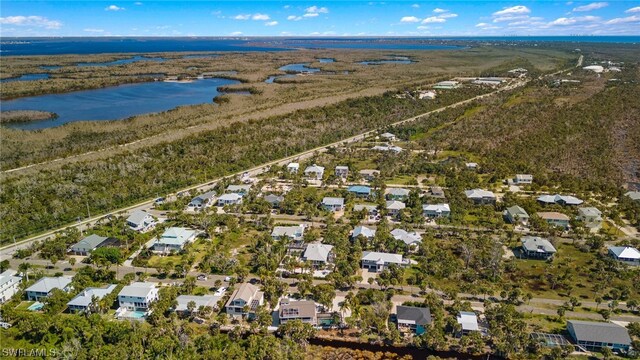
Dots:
{"x": 52, "y": 198}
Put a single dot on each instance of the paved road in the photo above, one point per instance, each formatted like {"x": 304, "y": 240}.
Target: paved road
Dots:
{"x": 8, "y": 250}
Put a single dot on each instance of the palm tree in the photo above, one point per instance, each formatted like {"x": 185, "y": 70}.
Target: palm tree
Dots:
{"x": 24, "y": 269}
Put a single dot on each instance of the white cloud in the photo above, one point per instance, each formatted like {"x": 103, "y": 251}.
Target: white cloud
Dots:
{"x": 236, "y": 33}
{"x": 415, "y": 6}
{"x": 563, "y": 21}
{"x": 137, "y": 3}
{"x": 439, "y": 10}
{"x": 113, "y": 8}
{"x": 519, "y": 9}
{"x": 260, "y": 17}
{"x": 448, "y": 15}
{"x": 624, "y": 20}
{"x": 633, "y": 10}
{"x": 242, "y": 17}
{"x": 510, "y": 18}
{"x": 316, "y": 10}
{"x": 433, "y": 19}
{"x": 96, "y": 31}
{"x": 592, "y": 6}
{"x": 294, "y": 18}
{"x": 486, "y": 26}
{"x": 409, "y": 19}
{"x": 422, "y": 27}
{"x": 36, "y": 21}
{"x": 309, "y": 15}
{"x": 271, "y": 23}
{"x": 287, "y": 6}
{"x": 482, "y": 24}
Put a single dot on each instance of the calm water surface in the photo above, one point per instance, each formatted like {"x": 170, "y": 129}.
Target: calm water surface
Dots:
{"x": 116, "y": 102}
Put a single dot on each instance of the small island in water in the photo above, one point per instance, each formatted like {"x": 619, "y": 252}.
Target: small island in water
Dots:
{"x": 20, "y": 116}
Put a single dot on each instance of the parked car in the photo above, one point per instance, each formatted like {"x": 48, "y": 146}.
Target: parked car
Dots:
{"x": 227, "y": 279}
{"x": 221, "y": 291}
{"x": 202, "y": 277}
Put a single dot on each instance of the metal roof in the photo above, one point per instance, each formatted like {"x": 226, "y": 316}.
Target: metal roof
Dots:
{"x": 421, "y": 315}
{"x": 46, "y": 284}
{"x": 599, "y": 332}
{"x": 137, "y": 289}
{"x": 317, "y": 252}
{"x": 537, "y": 244}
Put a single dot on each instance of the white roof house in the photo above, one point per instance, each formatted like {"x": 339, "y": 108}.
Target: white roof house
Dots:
{"x": 408, "y": 238}
{"x": 9, "y": 284}
{"x": 228, "y": 199}
{"x": 295, "y": 232}
{"x": 369, "y": 208}
{"x": 468, "y": 321}
{"x": 82, "y": 301}
{"x": 381, "y": 256}
{"x": 88, "y": 244}
{"x": 393, "y": 148}
{"x": 317, "y": 253}
{"x": 363, "y": 231}
{"x": 523, "y": 179}
{"x": 138, "y": 295}
{"x": 559, "y": 199}
{"x": 397, "y": 193}
{"x": 314, "y": 172}
{"x": 595, "y": 68}
{"x": 388, "y": 136}
{"x": 332, "y": 203}
{"x": 174, "y": 238}
{"x": 395, "y": 205}
{"x": 625, "y": 254}
{"x": 633, "y": 195}
{"x": 436, "y": 210}
{"x": 43, "y": 287}
{"x": 293, "y": 167}
{"x": 246, "y": 295}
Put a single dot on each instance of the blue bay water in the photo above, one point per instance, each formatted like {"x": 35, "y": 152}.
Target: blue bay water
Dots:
{"x": 117, "y": 102}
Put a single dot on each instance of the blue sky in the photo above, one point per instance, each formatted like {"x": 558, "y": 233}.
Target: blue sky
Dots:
{"x": 317, "y": 18}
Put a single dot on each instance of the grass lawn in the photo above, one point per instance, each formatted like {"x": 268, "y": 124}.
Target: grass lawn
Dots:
{"x": 402, "y": 180}
{"x": 544, "y": 323}
{"x": 24, "y": 305}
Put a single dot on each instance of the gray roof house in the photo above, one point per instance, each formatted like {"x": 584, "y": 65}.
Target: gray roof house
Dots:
{"x": 82, "y": 301}
{"x": 88, "y": 244}
{"x": 318, "y": 254}
{"x": 304, "y": 311}
{"x": 274, "y": 200}
{"x": 43, "y": 287}
{"x": 246, "y": 295}
{"x": 625, "y": 254}
{"x": 479, "y": 196}
{"x": 388, "y": 136}
{"x": 394, "y": 207}
{"x": 516, "y": 214}
{"x": 591, "y": 217}
{"x": 138, "y": 296}
{"x": 370, "y": 209}
{"x": 203, "y": 200}
{"x": 523, "y": 179}
{"x": 140, "y": 221}
{"x": 369, "y": 174}
{"x": 436, "y": 191}
{"x": 396, "y": 193}
{"x": 342, "y": 171}
{"x": 537, "y": 247}
{"x": 295, "y": 232}
{"x": 596, "y": 335}
{"x": 333, "y": 203}
{"x": 174, "y": 239}
{"x": 363, "y": 231}
{"x": 238, "y": 189}
{"x": 417, "y": 319}
{"x": 378, "y": 261}
{"x": 199, "y": 300}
